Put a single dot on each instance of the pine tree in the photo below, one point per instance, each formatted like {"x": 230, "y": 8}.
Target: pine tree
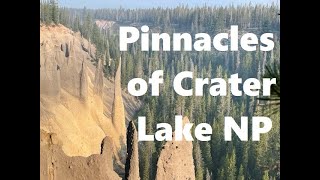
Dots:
{"x": 240, "y": 174}
{"x": 230, "y": 167}
{"x": 265, "y": 176}
{"x": 145, "y": 174}
{"x": 221, "y": 174}
{"x": 54, "y": 11}
{"x": 198, "y": 161}
{"x": 206, "y": 151}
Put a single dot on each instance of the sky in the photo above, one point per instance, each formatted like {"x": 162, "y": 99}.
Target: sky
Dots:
{"x": 94, "y": 4}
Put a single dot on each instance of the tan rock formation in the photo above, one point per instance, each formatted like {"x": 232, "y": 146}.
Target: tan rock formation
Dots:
{"x": 49, "y": 74}
{"x": 83, "y": 82}
{"x": 68, "y": 78}
{"x": 176, "y": 160}
{"x": 104, "y": 24}
{"x": 118, "y": 113}
{"x": 98, "y": 79}
{"x": 70, "y": 70}
{"x": 132, "y": 163}
{"x": 56, "y": 165}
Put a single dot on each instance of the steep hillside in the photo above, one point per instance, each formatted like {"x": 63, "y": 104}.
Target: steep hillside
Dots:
{"x": 84, "y": 117}
{"x": 76, "y": 101}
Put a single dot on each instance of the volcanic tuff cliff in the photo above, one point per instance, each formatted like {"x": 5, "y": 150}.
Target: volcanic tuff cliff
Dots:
{"x": 118, "y": 108}
{"x": 76, "y": 100}
{"x": 176, "y": 160}
{"x": 55, "y": 164}
{"x": 83, "y": 117}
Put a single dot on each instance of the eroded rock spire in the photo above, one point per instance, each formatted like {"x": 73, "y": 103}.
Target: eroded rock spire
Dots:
{"x": 83, "y": 82}
{"x": 98, "y": 79}
{"x": 118, "y": 113}
{"x": 176, "y": 160}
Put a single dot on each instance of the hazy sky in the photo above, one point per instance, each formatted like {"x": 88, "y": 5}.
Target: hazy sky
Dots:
{"x": 154, "y": 3}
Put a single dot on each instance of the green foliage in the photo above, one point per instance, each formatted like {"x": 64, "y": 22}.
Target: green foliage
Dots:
{"x": 240, "y": 174}
{"x": 54, "y": 11}
{"x": 266, "y": 176}
{"x": 273, "y": 71}
{"x": 230, "y": 166}
{"x": 198, "y": 161}
{"x": 49, "y": 12}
